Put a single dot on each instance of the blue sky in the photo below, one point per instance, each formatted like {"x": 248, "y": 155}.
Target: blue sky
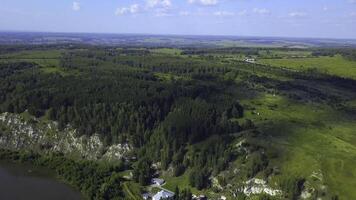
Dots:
{"x": 291, "y": 18}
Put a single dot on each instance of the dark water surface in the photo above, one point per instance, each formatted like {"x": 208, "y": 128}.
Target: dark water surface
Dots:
{"x": 25, "y": 182}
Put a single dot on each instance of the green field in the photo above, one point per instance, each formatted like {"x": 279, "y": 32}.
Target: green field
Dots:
{"x": 169, "y": 51}
{"x": 33, "y": 54}
{"x": 45, "y": 58}
{"x": 336, "y": 65}
{"x": 286, "y": 53}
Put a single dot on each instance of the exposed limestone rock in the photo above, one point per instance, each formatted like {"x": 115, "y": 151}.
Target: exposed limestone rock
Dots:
{"x": 46, "y": 137}
{"x": 215, "y": 183}
{"x": 258, "y": 186}
{"x": 313, "y": 186}
{"x": 116, "y": 152}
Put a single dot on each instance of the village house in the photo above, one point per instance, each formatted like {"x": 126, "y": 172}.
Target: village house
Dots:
{"x": 200, "y": 197}
{"x": 157, "y": 181}
{"x": 163, "y": 194}
{"x": 250, "y": 60}
{"x": 223, "y": 198}
{"x": 146, "y": 196}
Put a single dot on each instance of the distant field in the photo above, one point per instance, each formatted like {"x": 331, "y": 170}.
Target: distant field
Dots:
{"x": 32, "y": 54}
{"x": 336, "y": 65}
{"x": 170, "y": 51}
{"x": 48, "y": 58}
{"x": 285, "y": 53}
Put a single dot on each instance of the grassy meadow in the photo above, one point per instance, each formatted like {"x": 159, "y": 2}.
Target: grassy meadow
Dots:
{"x": 319, "y": 142}
{"x": 336, "y": 65}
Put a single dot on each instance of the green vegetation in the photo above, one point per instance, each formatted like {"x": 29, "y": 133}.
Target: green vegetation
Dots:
{"x": 316, "y": 139}
{"x": 132, "y": 190}
{"x": 200, "y": 118}
{"x": 182, "y": 182}
{"x": 169, "y": 51}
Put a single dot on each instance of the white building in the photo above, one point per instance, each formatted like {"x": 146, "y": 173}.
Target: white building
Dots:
{"x": 163, "y": 194}
{"x": 200, "y": 197}
{"x": 250, "y": 60}
{"x": 157, "y": 181}
{"x": 146, "y": 196}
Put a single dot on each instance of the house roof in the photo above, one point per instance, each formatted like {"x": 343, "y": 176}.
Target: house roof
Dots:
{"x": 146, "y": 195}
{"x": 157, "y": 180}
{"x": 162, "y": 195}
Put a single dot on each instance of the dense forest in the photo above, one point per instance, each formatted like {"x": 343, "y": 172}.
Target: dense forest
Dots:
{"x": 120, "y": 95}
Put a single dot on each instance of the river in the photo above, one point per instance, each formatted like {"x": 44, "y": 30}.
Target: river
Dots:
{"x": 25, "y": 182}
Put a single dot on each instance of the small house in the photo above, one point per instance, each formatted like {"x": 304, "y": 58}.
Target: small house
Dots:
{"x": 163, "y": 194}
{"x": 250, "y": 60}
{"x": 200, "y": 197}
{"x": 157, "y": 181}
{"x": 146, "y": 196}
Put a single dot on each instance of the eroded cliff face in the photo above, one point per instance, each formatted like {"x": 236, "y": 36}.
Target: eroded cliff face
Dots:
{"x": 44, "y": 136}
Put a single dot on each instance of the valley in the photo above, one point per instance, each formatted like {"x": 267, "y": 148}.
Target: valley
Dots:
{"x": 108, "y": 119}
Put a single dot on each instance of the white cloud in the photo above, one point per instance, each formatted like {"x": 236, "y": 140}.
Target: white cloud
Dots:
{"x": 132, "y": 9}
{"x": 261, "y": 11}
{"x": 161, "y": 12}
{"x": 297, "y": 14}
{"x": 223, "y": 13}
{"x": 204, "y": 2}
{"x": 159, "y": 3}
{"x": 196, "y": 13}
{"x": 184, "y": 13}
{"x": 76, "y": 6}
{"x": 161, "y": 8}
{"x": 242, "y": 13}
{"x": 325, "y": 8}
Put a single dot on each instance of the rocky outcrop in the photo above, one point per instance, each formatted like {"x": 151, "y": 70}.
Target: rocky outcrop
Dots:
{"x": 313, "y": 186}
{"x": 258, "y": 186}
{"x": 44, "y": 136}
{"x": 117, "y": 151}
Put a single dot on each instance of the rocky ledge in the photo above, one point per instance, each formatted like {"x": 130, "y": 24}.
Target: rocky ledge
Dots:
{"x": 44, "y": 136}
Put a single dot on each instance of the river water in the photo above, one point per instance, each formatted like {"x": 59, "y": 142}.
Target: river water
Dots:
{"x": 25, "y": 182}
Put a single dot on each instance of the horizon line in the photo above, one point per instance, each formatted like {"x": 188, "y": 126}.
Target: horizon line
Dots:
{"x": 174, "y": 34}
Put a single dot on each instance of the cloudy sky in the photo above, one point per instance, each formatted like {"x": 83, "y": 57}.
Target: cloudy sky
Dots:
{"x": 292, "y": 18}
